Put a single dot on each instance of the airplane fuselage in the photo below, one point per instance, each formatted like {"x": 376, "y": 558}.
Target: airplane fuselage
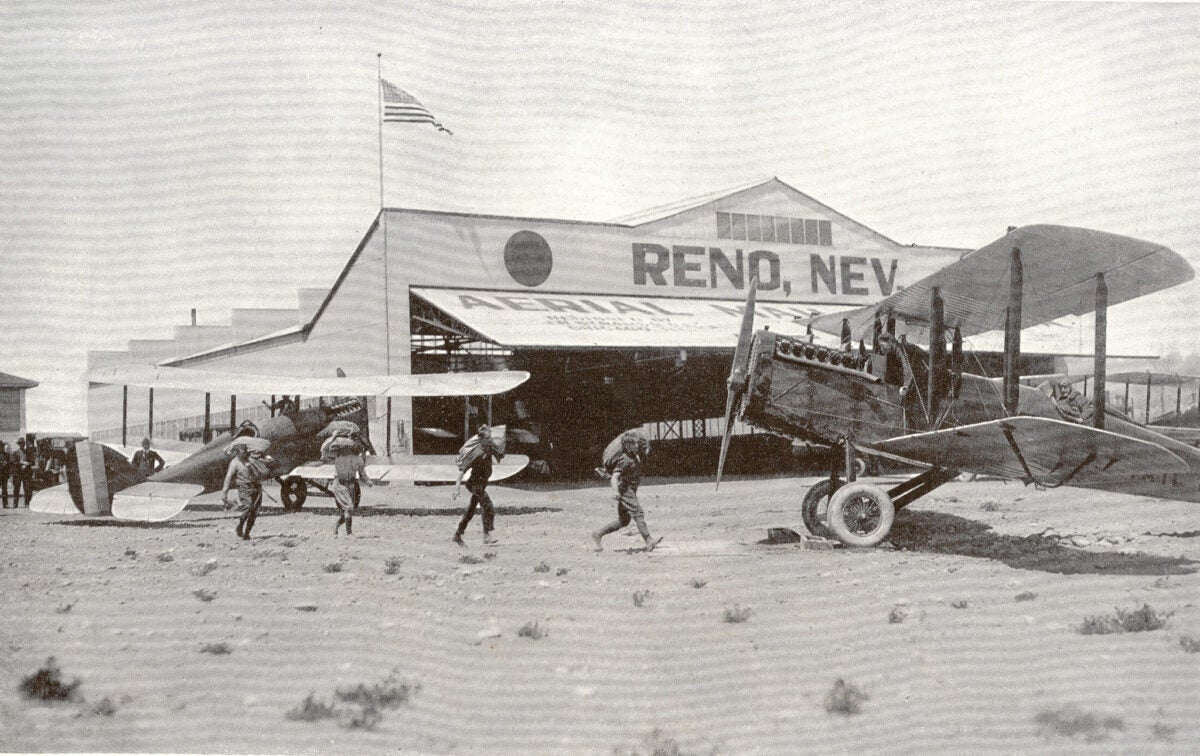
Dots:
{"x": 805, "y": 392}
{"x": 293, "y": 438}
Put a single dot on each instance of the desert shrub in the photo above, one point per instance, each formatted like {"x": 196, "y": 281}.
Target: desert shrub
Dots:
{"x": 204, "y": 594}
{"x": 489, "y": 555}
{"x": 1124, "y": 621}
{"x": 532, "y": 631}
{"x": 698, "y": 582}
{"x": 543, "y": 567}
{"x": 360, "y": 706}
{"x": 640, "y": 597}
{"x": 1072, "y": 722}
{"x": 959, "y": 604}
{"x": 1025, "y": 596}
{"x": 897, "y": 615}
{"x": 63, "y": 609}
{"x": 389, "y": 694}
{"x": 166, "y": 557}
{"x": 990, "y": 506}
{"x": 204, "y": 569}
{"x": 737, "y": 614}
{"x": 845, "y": 698}
{"x": 291, "y": 544}
{"x": 333, "y": 567}
{"x": 132, "y": 554}
{"x": 392, "y": 565}
{"x": 311, "y": 709}
{"x": 105, "y": 707}
{"x": 469, "y": 559}
{"x": 47, "y": 684}
{"x": 1189, "y": 644}
{"x": 561, "y": 572}
{"x": 216, "y": 649}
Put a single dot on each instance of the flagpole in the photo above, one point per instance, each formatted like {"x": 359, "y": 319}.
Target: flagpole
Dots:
{"x": 386, "y": 303}
{"x": 387, "y": 317}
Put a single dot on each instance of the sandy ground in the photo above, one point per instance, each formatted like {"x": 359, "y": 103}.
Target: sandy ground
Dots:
{"x": 929, "y": 628}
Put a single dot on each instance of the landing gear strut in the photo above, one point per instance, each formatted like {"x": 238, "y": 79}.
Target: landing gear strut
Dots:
{"x": 862, "y": 514}
{"x": 293, "y": 492}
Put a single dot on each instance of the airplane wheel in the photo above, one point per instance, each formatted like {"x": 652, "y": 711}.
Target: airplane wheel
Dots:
{"x": 810, "y": 510}
{"x": 861, "y": 514}
{"x": 293, "y": 492}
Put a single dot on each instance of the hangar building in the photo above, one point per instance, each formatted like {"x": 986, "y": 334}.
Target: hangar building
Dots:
{"x": 621, "y": 323}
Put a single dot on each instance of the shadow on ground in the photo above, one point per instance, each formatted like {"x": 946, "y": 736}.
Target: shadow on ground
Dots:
{"x": 112, "y": 523}
{"x": 451, "y": 511}
{"x": 941, "y": 533}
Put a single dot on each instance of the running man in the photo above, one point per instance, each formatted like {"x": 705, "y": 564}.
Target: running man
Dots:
{"x": 481, "y": 472}
{"x": 346, "y": 492}
{"x": 626, "y": 477}
{"x": 248, "y": 472}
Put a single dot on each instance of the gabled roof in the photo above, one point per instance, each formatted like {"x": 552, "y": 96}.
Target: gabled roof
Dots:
{"x": 676, "y": 208}
{"x": 660, "y": 212}
{"x": 8, "y": 380}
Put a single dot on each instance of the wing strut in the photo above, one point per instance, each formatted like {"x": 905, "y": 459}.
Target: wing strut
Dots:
{"x": 125, "y": 416}
{"x": 937, "y": 354}
{"x": 1012, "y": 334}
{"x": 1101, "y": 347}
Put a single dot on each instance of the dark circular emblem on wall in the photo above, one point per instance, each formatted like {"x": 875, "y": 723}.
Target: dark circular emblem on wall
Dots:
{"x": 528, "y": 259}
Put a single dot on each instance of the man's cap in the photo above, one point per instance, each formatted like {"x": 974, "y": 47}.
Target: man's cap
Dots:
{"x": 145, "y": 441}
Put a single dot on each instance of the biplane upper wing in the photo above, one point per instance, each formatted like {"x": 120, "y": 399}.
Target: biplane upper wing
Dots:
{"x": 1037, "y": 449}
{"x": 1060, "y": 265}
{"x": 431, "y": 384}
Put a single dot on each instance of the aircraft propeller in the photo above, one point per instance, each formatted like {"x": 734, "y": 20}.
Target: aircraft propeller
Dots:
{"x": 738, "y": 373}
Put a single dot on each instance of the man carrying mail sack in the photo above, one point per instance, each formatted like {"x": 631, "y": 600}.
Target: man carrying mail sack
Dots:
{"x": 249, "y": 467}
{"x": 350, "y": 469}
{"x": 476, "y": 457}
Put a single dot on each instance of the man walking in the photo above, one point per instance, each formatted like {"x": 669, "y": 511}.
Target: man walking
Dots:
{"x": 626, "y": 477}
{"x": 481, "y": 471}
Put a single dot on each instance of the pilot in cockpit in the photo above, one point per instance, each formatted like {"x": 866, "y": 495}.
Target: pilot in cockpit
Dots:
{"x": 1071, "y": 404}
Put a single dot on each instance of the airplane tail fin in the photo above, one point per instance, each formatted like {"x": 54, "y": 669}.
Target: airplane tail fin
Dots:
{"x": 95, "y": 473}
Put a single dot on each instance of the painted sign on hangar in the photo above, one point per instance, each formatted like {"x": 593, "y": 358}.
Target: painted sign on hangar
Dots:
{"x": 799, "y": 251}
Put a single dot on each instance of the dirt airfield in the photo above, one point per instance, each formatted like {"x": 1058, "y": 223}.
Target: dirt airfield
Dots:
{"x": 962, "y": 634}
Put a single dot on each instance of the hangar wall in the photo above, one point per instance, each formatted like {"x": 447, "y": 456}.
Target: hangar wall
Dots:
{"x": 705, "y": 248}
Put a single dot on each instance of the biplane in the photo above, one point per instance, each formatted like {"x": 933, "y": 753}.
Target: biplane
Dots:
{"x": 101, "y": 481}
{"x": 922, "y": 406}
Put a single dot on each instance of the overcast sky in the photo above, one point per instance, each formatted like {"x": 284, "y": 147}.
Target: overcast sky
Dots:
{"x": 155, "y": 159}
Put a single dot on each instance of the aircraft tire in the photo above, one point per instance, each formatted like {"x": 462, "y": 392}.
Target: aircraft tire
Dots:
{"x": 293, "y": 492}
{"x": 861, "y": 514}
{"x": 810, "y": 509}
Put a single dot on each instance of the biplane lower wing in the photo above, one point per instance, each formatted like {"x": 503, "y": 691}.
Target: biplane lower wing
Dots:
{"x": 432, "y": 468}
{"x": 153, "y": 502}
{"x": 1036, "y": 449}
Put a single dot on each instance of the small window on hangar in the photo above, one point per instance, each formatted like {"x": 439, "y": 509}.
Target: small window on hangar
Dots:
{"x": 742, "y": 227}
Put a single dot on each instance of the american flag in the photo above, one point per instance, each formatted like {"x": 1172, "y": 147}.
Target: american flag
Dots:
{"x": 401, "y": 107}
